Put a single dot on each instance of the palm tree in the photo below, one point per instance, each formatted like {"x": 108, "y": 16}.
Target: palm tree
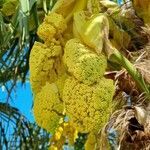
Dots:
{"x": 18, "y": 133}
{"x": 129, "y": 33}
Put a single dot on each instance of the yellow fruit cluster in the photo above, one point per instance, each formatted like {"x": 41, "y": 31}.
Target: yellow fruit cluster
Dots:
{"x": 42, "y": 59}
{"x": 82, "y": 63}
{"x": 47, "y": 72}
{"x": 67, "y": 72}
{"x": 48, "y": 108}
{"x": 52, "y": 27}
{"x": 45, "y": 58}
{"x": 88, "y": 106}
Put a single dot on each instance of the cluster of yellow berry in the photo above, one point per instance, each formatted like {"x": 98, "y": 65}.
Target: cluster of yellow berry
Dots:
{"x": 67, "y": 74}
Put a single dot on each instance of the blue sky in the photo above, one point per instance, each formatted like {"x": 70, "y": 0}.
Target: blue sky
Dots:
{"x": 21, "y": 98}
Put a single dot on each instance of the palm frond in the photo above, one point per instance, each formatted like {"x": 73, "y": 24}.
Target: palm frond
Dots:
{"x": 17, "y": 132}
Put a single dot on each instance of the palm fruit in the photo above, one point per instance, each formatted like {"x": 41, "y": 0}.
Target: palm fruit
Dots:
{"x": 54, "y": 24}
{"x": 57, "y": 21}
{"x": 46, "y": 31}
{"x": 48, "y": 108}
{"x": 45, "y": 59}
{"x": 82, "y": 63}
{"x": 88, "y": 107}
{"x": 67, "y": 73}
{"x": 41, "y": 64}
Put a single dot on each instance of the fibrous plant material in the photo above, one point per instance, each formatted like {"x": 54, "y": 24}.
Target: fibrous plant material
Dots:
{"x": 128, "y": 128}
{"x": 142, "y": 9}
